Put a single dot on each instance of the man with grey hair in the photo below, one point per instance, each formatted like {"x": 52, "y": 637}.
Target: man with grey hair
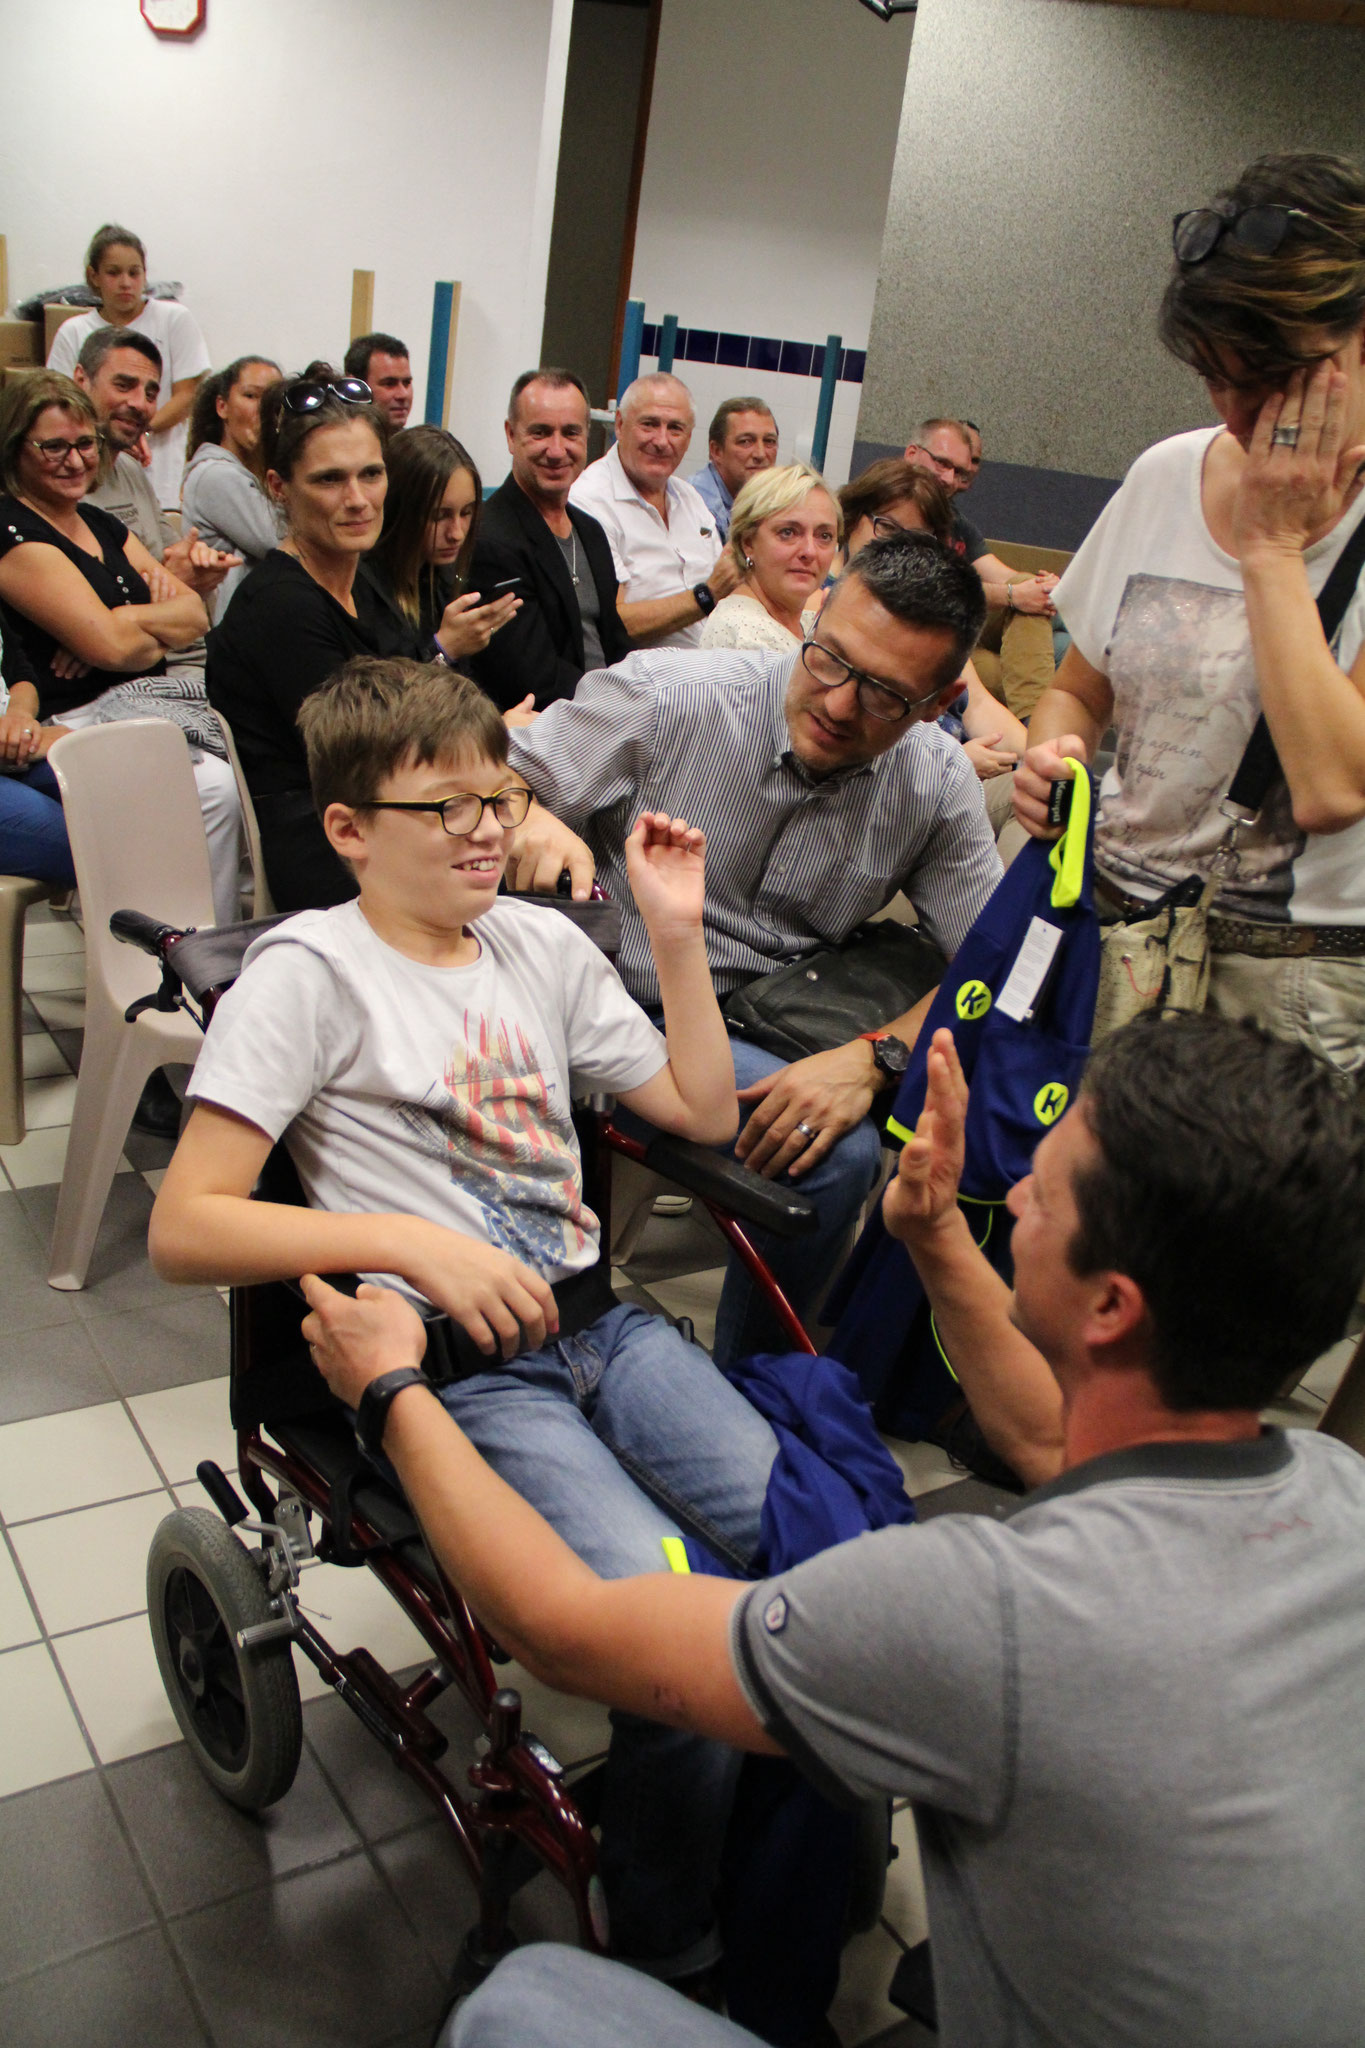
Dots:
{"x": 669, "y": 559}
{"x": 741, "y": 442}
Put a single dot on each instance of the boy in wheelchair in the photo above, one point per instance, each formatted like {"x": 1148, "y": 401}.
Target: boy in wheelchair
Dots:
{"x": 418, "y": 1051}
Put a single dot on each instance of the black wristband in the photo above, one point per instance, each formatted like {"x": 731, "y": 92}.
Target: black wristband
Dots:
{"x": 705, "y": 598}
{"x": 373, "y": 1412}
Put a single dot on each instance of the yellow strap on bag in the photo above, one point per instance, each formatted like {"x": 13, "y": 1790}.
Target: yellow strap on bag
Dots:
{"x": 675, "y": 1550}
{"x": 1068, "y": 855}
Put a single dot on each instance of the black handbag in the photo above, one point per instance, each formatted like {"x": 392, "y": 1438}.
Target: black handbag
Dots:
{"x": 830, "y": 996}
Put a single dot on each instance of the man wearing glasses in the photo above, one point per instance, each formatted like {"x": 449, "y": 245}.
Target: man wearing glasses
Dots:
{"x": 823, "y": 786}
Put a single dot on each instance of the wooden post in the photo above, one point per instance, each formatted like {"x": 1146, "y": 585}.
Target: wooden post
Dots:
{"x": 445, "y": 320}
{"x": 362, "y": 303}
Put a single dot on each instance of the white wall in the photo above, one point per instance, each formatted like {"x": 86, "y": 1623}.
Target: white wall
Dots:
{"x": 286, "y": 144}
{"x": 771, "y": 143}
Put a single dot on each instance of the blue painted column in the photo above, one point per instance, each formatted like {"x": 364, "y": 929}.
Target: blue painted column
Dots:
{"x": 438, "y": 365}
{"x": 668, "y": 342}
{"x": 632, "y": 335}
{"x": 824, "y": 411}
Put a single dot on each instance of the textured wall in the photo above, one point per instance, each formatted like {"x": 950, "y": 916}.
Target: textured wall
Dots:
{"x": 1044, "y": 146}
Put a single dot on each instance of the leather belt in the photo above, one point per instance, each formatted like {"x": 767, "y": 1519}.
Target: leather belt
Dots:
{"x": 1248, "y": 935}
{"x": 452, "y": 1353}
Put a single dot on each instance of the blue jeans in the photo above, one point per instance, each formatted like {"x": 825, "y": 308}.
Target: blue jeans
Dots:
{"x": 621, "y": 1436}
{"x": 547, "y": 1996}
{"x": 32, "y": 829}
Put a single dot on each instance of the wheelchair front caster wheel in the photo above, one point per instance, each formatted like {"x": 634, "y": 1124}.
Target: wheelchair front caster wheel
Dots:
{"x": 238, "y": 1709}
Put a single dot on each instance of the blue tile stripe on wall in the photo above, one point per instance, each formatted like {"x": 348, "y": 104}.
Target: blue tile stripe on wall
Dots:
{"x": 756, "y": 352}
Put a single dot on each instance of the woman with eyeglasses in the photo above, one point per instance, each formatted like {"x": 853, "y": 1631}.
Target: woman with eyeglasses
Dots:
{"x": 1193, "y": 611}
{"x": 303, "y": 612}
{"x": 420, "y": 564}
{"x": 892, "y": 496}
{"x": 224, "y": 491}
{"x": 94, "y": 609}
{"x": 785, "y": 529}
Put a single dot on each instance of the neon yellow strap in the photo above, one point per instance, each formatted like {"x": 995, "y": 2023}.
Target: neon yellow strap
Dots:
{"x": 899, "y": 1130}
{"x": 675, "y": 1550}
{"x": 1068, "y": 855}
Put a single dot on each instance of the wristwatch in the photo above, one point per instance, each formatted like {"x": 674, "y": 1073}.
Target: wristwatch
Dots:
{"x": 373, "y": 1412}
{"x": 891, "y": 1054}
{"x": 705, "y": 597}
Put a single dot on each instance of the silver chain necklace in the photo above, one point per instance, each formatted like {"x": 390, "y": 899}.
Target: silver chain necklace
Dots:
{"x": 573, "y": 567}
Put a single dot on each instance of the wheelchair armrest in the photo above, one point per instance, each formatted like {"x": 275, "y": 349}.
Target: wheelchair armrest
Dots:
{"x": 768, "y": 1204}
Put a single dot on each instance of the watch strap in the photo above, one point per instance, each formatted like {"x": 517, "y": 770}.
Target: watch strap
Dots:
{"x": 705, "y": 598}
{"x": 373, "y": 1412}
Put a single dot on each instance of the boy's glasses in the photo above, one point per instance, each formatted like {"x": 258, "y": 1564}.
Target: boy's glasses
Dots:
{"x": 59, "y": 450}
{"x": 311, "y": 397}
{"x": 463, "y": 814}
{"x": 877, "y": 700}
{"x": 1256, "y": 230}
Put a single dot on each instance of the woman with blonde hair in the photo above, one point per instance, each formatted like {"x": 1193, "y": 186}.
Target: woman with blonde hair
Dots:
{"x": 785, "y": 529}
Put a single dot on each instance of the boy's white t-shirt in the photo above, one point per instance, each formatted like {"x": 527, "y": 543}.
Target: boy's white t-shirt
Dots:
{"x": 184, "y": 353}
{"x": 440, "y": 1092}
{"x": 1153, "y": 603}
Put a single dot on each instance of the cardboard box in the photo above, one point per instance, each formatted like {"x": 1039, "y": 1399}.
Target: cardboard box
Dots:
{"x": 53, "y": 317}
{"x": 21, "y": 341}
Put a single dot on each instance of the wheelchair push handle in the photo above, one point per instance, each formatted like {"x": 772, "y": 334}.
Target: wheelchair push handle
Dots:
{"x": 149, "y": 933}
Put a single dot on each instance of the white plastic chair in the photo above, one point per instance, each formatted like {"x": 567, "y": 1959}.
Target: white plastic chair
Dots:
{"x": 137, "y": 839}
{"x": 262, "y": 902}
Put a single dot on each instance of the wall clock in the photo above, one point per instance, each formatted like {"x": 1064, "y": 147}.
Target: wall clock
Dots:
{"x": 173, "y": 17}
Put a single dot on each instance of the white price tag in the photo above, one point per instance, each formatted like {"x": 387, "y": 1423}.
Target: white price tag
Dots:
{"x": 1030, "y": 970}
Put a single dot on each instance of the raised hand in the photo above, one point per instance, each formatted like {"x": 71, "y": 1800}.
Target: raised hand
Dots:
{"x": 666, "y": 863}
{"x": 198, "y": 566}
{"x": 922, "y": 1195}
{"x": 1291, "y": 490}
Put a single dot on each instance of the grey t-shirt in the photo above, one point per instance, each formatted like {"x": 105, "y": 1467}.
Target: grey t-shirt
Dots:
{"x": 1132, "y": 1721}
{"x": 589, "y": 604}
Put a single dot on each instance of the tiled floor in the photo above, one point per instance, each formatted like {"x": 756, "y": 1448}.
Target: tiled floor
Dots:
{"x": 135, "y": 1905}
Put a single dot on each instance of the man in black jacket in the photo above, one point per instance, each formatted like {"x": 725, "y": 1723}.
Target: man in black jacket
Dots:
{"x": 568, "y": 622}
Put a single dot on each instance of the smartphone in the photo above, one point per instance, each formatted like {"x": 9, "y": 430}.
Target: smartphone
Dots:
{"x": 503, "y": 589}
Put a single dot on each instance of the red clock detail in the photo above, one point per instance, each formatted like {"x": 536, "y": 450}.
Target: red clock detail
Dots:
{"x": 173, "y": 17}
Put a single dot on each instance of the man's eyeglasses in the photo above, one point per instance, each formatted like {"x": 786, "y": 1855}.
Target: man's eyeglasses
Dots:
{"x": 946, "y": 468}
{"x": 1256, "y": 230}
{"x": 463, "y": 814}
{"x": 311, "y": 397}
{"x": 884, "y": 528}
{"x": 877, "y": 700}
{"x": 59, "y": 450}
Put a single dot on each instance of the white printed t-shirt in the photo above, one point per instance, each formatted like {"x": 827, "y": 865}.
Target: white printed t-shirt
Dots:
{"x": 1157, "y": 607}
{"x": 440, "y": 1092}
{"x": 184, "y": 353}
{"x": 652, "y": 560}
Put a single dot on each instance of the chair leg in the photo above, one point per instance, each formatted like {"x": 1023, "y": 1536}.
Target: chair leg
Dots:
{"x": 12, "y": 908}
{"x": 115, "y": 1064}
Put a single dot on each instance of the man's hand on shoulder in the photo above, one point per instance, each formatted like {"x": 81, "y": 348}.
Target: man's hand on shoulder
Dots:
{"x": 921, "y": 1199}
{"x": 542, "y": 849}
{"x": 826, "y": 1094}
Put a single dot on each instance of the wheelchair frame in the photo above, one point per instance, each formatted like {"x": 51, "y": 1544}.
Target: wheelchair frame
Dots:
{"x": 520, "y": 1814}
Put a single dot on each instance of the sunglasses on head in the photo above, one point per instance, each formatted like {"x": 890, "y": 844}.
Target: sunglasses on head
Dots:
{"x": 1257, "y": 230}
{"x": 310, "y": 396}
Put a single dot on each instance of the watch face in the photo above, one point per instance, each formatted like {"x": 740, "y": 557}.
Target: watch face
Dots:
{"x": 173, "y": 17}
{"x": 891, "y": 1054}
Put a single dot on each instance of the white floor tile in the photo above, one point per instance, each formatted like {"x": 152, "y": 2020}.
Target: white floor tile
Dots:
{"x": 352, "y": 1609}
{"x": 40, "y": 1160}
{"x": 71, "y": 1461}
{"x": 17, "y": 1623}
{"x": 50, "y": 1100}
{"x": 693, "y": 1294}
{"x": 924, "y": 1467}
{"x": 861, "y": 2008}
{"x": 91, "y": 1565}
{"x": 43, "y": 935}
{"x": 46, "y": 972}
{"x": 43, "y": 1740}
{"x": 185, "y": 1424}
{"x": 42, "y": 1056}
{"x": 113, "y": 1673}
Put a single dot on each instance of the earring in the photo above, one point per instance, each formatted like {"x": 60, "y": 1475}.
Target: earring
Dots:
{"x": 748, "y": 561}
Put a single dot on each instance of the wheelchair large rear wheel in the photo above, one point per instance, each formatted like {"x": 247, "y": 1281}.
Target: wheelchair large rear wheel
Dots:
{"x": 239, "y": 1709}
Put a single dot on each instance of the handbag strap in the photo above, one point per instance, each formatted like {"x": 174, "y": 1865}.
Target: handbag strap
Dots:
{"x": 1259, "y": 766}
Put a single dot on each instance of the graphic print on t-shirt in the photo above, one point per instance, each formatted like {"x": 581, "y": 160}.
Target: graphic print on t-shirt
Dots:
{"x": 1185, "y": 702}
{"x": 508, "y": 1142}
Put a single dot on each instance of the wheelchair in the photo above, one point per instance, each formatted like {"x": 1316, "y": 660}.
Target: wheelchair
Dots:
{"x": 226, "y": 1617}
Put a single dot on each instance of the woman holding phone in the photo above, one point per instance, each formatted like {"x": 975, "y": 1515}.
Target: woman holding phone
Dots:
{"x": 419, "y": 567}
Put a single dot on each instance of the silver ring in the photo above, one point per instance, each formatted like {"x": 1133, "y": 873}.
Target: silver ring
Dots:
{"x": 1285, "y": 437}
{"x": 807, "y": 1133}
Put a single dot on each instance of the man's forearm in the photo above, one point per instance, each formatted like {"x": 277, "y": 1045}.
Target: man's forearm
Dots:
{"x": 652, "y": 617}
{"x": 1008, "y": 1382}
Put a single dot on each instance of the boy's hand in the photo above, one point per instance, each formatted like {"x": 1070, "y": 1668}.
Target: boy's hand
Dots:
{"x": 501, "y": 1304}
{"x": 923, "y": 1194}
{"x": 666, "y": 863}
{"x": 355, "y": 1341}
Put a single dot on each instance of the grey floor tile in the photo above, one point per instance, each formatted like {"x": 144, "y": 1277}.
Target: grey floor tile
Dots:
{"x": 145, "y": 1152}
{"x": 332, "y": 1963}
{"x": 130, "y": 1993}
{"x": 71, "y": 1881}
{"x": 120, "y": 1275}
{"x": 47, "y": 1371}
{"x": 197, "y": 1849}
{"x": 31, "y": 1020}
{"x": 71, "y": 1043}
{"x": 167, "y": 1343}
{"x": 429, "y": 1876}
{"x": 377, "y": 1796}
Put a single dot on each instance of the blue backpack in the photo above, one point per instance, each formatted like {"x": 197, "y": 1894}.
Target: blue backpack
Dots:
{"x": 1019, "y": 999}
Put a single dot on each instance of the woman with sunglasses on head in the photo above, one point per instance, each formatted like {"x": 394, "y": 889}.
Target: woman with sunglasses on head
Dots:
{"x": 116, "y": 271}
{"x": 419, "y": 567}
{"x": 93, "y": 607}
{"x": 303, "y": 612}
{"x": 224, "y": 492}
{"x": 1193, "y": 611}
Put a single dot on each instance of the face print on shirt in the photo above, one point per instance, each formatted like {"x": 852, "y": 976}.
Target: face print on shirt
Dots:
{"x": 508, "y": 1142}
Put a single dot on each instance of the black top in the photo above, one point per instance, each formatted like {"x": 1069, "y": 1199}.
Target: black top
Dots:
{"x": 966, "y": 539}
{"x": 282, "y": 636}
{"x": 110, "y": 575}
{"x": 541, "y": 650}
{"x": 434, "y": 593}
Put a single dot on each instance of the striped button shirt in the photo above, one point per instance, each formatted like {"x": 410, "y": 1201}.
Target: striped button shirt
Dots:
{"x": 793, "y": 861}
